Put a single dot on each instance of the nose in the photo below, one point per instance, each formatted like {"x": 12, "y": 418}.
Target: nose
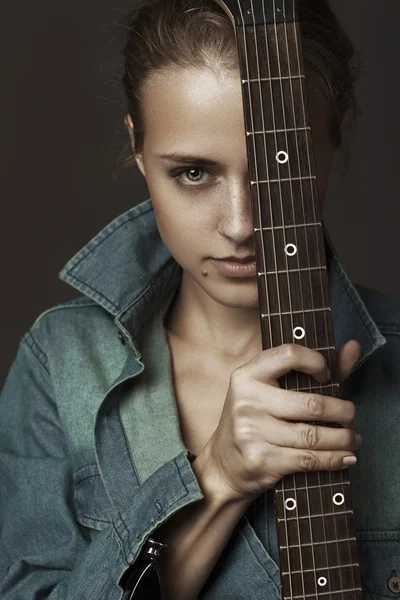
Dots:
{"x": 236, "y": 221}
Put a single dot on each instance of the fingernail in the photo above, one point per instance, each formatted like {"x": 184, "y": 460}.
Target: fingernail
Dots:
{"x": 349, "y": 460}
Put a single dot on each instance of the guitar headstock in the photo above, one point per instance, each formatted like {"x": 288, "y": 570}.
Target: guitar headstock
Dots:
{"x": 259, "y": 12}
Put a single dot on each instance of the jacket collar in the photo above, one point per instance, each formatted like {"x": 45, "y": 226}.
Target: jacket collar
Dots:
{"x": 127, "y": 269}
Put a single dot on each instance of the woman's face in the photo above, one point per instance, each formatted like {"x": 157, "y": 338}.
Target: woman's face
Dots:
{"x": 201, "y": 202}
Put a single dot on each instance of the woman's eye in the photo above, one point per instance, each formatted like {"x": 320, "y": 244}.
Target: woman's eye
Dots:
{"x": 189, "y": 177}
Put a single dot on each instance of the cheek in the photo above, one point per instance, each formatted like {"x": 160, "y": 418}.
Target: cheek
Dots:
{"x": 182, "y": 228}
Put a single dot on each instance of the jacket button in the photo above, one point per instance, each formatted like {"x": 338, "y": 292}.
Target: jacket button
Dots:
{"x": 394, "y": 584}
{"x": 121, "y": 338}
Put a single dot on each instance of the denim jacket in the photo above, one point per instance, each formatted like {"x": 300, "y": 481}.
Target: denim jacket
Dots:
{"x": 79, "y": 495}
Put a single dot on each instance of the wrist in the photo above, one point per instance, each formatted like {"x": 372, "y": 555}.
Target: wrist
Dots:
{"x": 214, "y": 487}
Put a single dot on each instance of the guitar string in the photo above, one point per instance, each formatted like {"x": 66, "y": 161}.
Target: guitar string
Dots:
{"x": 284, "y": 242}
{"x": 283, "y": 230}
{"x": 260, "y": 221}
{"x": 300, "y": 277}
{"x": 314, "y": 221}
{"x": 329, "y": 355}
{"x": 325, "y": 322}
{"x": 278, "y": 59}
{"x": 311, "y": 288}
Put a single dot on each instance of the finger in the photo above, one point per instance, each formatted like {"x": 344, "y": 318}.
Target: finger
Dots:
{"x": 294, "y": 461}
{"x": 311, "y": 437}
{"x": 348, "y": 357}
{"x": 275, "y": 362}
{"x": 293, "y": 405}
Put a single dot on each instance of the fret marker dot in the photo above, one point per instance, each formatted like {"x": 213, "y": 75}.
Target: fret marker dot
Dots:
{"x": 292, "y": 503}
{"x": 282, "y": 157}
{"x": 293, "y": 247}
{"x": 336, "y": 501}
{"x": 299, "y": 333}
{"x": 322, "y": 581}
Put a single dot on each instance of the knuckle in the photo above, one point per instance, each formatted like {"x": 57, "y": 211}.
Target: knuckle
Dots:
{"x": 309, "y": 436}
{"x": 242, "y": 406}
{"x": 286, "y": 351}
{"x": 252, "y": 459}
{"x": 314, "y": 405}
{"x": 308, "y": 461}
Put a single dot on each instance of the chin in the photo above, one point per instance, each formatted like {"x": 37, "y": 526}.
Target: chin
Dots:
{"x": 236, "y": 298}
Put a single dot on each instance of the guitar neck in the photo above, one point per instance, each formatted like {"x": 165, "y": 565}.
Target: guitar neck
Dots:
{"x": 318, "y": 554}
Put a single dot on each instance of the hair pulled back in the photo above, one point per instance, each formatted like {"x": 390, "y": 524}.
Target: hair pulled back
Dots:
{"x": 161, "y": 34}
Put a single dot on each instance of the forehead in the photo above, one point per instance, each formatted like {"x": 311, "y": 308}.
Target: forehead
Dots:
{"x": 185, "y": 105}
{"x": 191, "y": 102}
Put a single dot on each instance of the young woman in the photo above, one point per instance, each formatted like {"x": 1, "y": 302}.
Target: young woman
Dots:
{"x": 147, "y": 407}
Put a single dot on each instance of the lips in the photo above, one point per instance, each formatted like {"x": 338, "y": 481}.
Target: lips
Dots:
{"x": 236, "y": 268}
{"x": 238, "y": 260}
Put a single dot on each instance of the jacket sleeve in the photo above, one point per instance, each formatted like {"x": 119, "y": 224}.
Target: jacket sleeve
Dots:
{"x": 43, "y": 553}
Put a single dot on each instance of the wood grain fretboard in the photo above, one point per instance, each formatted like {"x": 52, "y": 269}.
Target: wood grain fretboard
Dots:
{"x": 318, "y": 554}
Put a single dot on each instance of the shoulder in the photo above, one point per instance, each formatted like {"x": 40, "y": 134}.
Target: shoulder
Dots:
{"x": 76, "y": 330}
{"x": 69, "y": 318}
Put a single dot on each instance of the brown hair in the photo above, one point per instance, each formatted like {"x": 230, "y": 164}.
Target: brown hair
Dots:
{"x": 199, "y": 34}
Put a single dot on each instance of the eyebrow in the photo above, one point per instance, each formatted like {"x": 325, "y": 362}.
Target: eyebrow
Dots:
{"x": 188, "y": 158}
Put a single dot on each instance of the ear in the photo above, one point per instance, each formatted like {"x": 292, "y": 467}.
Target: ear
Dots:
{"x": 138, "y": 157}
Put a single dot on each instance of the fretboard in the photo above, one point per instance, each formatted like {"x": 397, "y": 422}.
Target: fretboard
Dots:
{"x": 318, "y": 555}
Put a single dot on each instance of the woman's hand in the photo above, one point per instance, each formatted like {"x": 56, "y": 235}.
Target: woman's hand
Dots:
{"x": 255, "y": 445}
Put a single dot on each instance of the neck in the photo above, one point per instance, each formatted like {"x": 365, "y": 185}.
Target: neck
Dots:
{"x": 198, "y": 319}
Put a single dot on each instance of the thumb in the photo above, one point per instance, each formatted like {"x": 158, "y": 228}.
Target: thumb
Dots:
{"x": 348, "y": 357}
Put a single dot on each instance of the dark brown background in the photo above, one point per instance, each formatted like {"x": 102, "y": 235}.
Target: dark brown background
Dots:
{"x": 62, "y": 126}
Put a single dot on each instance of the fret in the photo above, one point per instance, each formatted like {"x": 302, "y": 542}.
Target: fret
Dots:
{"x": 323, "y": 515}
{"x": 317, "y": 387}
{"x": 289, "y": 203}
{"x": 296, "y": 312}
{"x": 278, "y": 130}
{"x": 287, "y": 226}
{"x": 310, "y": 487}
{"x": 292, "y": 250}
{"x": 295, "y": 271}
{"x": 352, "y": 539}
{"x": 319, "y": 528}
{"x": 336, "y": 550}
{"x": 283, "y": 180}
{"x": 293, "y": 146}
{"x": 325, "y": 348}
{"x": 308, "y": 329}
{"x": 356, "y": 589}
{"x": 287, "y": 112}
{"x": 319, "y": 569}
{"x": 286, "y": 77}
